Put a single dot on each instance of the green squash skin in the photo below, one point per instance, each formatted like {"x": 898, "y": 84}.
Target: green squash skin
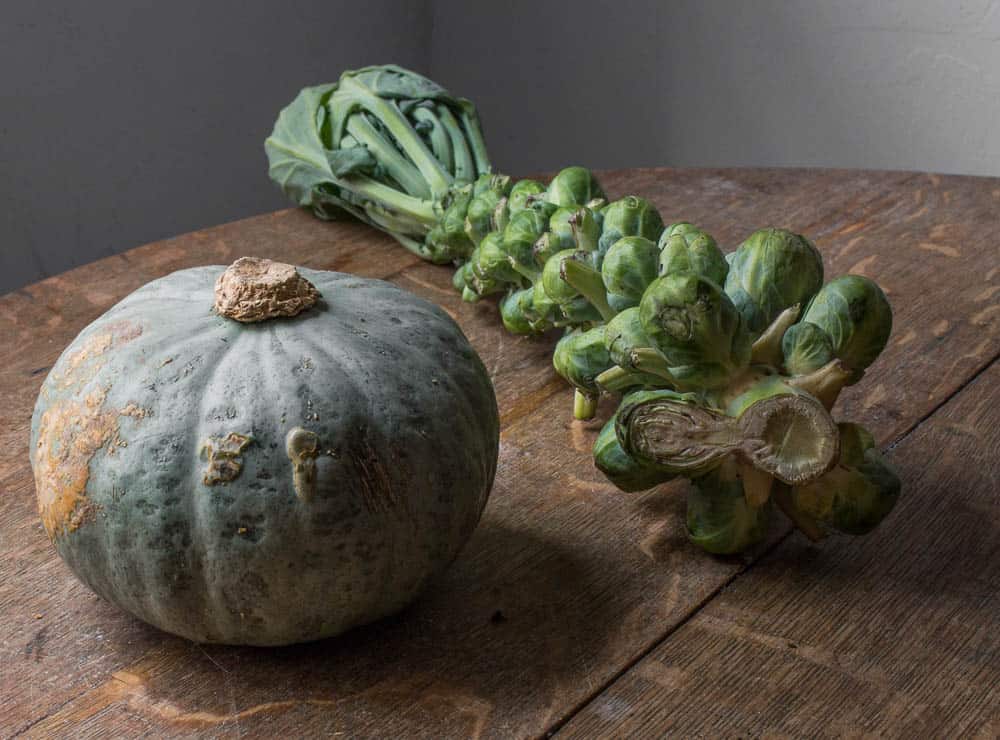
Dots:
{"x": 408, "y": 433}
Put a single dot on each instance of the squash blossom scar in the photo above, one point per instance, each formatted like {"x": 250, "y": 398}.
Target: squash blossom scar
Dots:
{"x": 224, "y": 456}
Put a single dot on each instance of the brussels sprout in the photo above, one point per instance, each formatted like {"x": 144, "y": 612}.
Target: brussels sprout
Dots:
{"x": 719, "y": 519}
{"x": 854, "y": 313}
{"x": 627, "y": 473}
{"x": 515, "y": 310}
{"x": 628, "y": 268}
{"x": 522, "y": 194}
{"x": 558, "y": 237}
{"x": 480, "y": 217}
{"x": 629, "y": 216}
{"x": 491, "y": 265}
{"x": 855, "y": 495}
{"x": 580, "y": 357}
{"x": 521, "y": 233}
{"x": 579, "y": 312}
{"x": 623, "y": 335}
{"x": 696, "y": 327}
{"x": 686, "y": 248}
{"x": 772, "y": 270}
{"x": 806, "y": 348}
{"x": 448, "y": 237}
{"x": 544, "y": 311}
{"x": 460, "y": 275}
{"x": 774, "y": 428}
{"x": 574, "y": 186}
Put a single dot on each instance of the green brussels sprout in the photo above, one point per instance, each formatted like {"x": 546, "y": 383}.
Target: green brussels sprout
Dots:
{"x": 855, "y": 495}
{"x": 462, "y": 276}
{"x": 627, "y": 270}
{"x": 623, "y": 335}
{"x": 448, "y": 237}
{"x": 806, "y": 348}
{"x": 686, "y": 248}
{"x": 522, "y": 194}
{"x": 491, "y": 265}
{"x": 558, "y": 237}
{"x": 696, "y": 327}
{"x": 574, "y": 186}
{"x": 515, "y": 311}
{"x": 855, "y": 314}
{"x": 521, "y": 233}
{"x": 552, "y": 278}
{"x": 579, "y": 358}
{"x": 579, "y": 312}
{"x": 480, "y": 217}
{"x": 771, "y": 271}
{"x": 719, "y": 519}
{"x": 629, "y": 216}
{"x": 544, "y": 311}
{"x": 627, "y": 473}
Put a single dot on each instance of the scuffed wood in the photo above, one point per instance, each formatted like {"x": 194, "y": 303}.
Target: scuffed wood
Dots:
{"x": 896, "y": 634}
{"x": 567, "y": 582}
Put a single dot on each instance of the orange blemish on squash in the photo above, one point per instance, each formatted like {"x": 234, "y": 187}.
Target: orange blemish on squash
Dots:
{"x": 84, "y": 363}
{"x": 72, "y": 431}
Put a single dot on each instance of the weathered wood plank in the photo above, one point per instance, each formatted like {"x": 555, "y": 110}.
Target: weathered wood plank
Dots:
{"x": 565, "y": 583}
{"x": 897, "y": 634}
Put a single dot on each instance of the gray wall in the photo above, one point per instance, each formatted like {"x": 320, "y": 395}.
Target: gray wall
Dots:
{"x": 897, "y": 84}
{"x": 126, "y": 122}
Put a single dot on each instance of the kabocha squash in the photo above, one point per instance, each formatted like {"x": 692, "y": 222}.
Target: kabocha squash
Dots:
{"x": 263, "y": 455}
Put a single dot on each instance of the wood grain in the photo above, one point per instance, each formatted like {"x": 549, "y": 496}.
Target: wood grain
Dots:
{"x": 567, "y": 582}
{"x": 896, "y": 634}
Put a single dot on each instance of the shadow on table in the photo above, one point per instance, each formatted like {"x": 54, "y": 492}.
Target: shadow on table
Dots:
{"x": 513, "y": 618}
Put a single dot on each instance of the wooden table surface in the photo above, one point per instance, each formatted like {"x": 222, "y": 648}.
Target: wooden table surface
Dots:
{"x": 577, "y": 609}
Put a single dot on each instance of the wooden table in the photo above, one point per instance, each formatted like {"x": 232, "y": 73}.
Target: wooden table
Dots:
{"x": 577, "y": 609}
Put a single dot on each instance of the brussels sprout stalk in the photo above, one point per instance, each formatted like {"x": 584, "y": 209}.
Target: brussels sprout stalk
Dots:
{"x": 730, "y": 363}
{"x": 790, "y": 437}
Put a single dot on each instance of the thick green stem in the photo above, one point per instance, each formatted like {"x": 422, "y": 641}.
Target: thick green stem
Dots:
{"x": 767, "y": 349}
{"x": 474, "y": 136}
{"x": 584, "y": 405}
{"x": 648, "y": 360}
{"x": 589, "y": 283}
{"x": 393, "y": 200}
{"x": 398, "y": 167}
{"x": 464, "y": 164}
{"x": 439, "y": 139}
{"x": 824, "y": 383}
{"x": 409, "y": 141}
{"x": 615, "y": 378}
